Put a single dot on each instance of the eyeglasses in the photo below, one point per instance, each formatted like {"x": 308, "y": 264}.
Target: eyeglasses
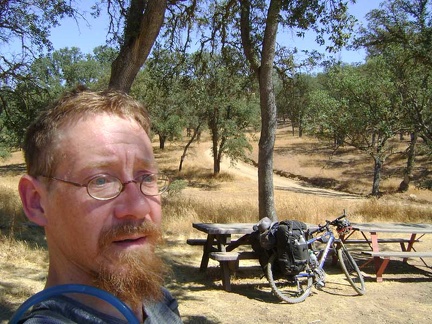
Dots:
{"x": 106, "y": 187}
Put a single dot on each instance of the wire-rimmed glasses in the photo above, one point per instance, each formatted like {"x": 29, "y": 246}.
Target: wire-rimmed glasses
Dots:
{"x": 106, "y": 187}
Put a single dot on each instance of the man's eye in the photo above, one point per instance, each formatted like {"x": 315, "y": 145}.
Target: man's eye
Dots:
{"x": 149, "y": 179}
{"x": 99, "y": 181}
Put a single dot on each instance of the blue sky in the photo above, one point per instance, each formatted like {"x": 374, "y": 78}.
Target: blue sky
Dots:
{"x": 87, "y": 36}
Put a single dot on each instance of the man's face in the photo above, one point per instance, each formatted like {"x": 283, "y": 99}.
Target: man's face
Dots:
{"x": 79, "y": 228}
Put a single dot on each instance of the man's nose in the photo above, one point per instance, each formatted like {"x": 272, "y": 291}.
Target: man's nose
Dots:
{"x": 131, "y": 202}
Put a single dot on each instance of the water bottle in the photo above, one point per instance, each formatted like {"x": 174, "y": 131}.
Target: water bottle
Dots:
{"x": 303, "y": 245}
{"x": 313, "y": 259}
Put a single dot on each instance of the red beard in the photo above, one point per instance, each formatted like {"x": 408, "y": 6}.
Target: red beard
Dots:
{"x": 132, "y": 276}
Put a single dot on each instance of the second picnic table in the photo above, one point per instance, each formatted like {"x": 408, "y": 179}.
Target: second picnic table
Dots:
{"x": 370, "y": 231}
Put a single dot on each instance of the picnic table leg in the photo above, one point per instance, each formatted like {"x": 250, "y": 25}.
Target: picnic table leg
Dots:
{"x": 226, "y": 282}
{"x": 410, "y": 246}
{"x": 374, "y": 239}
{"x": 382, "y": 264}
{"x": 377, "y": 261}
{"x": 206, "y": 252}
{"x": 223, "y": 240}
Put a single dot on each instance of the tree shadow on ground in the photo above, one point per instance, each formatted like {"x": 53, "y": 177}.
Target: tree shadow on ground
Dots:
{"x": 32, "y": 234}
{"x": 399, "y": 271}
{"x": 34, "y": 237}
{"x": 247, "y": 281}
{"x": 12, "y": 169}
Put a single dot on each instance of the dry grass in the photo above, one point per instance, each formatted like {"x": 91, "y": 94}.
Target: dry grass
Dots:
{"x": 234, "y": 199}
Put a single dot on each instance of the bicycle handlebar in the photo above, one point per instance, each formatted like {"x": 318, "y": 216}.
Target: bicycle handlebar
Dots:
{"x": 336, "y": 222}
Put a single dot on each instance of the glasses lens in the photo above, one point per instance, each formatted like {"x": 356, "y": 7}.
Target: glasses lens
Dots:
{"x": 104, "y": 187}
{"x": 154, "y": 184}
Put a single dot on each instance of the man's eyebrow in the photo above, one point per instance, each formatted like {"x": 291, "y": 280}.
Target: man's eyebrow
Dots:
{"x": 147, "y": 163}
{"x": 106, "y": 161}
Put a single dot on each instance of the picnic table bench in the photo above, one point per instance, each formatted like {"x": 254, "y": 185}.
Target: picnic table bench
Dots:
{"x": 229, "y": 261}
{"x": 385, "y": 257}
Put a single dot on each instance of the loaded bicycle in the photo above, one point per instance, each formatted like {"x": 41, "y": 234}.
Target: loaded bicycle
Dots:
{"x": 293, "y": 287}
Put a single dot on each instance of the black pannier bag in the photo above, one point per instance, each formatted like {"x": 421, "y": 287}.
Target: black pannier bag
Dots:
{"x": 291, "y": 246}
{"x": 287, "y": 239}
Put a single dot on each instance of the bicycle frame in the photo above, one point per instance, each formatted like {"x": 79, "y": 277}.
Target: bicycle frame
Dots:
{"x": 331, "y": 239}
{"x": 328, "y": 238}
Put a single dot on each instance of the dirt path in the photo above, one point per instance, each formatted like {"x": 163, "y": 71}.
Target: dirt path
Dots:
{"x": 279, "y": 182}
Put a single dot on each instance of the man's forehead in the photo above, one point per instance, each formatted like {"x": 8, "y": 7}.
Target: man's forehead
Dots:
{"x": 105, "y": 139}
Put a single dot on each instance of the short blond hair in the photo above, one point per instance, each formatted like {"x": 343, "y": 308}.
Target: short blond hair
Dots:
{"x": 40, "y": 153}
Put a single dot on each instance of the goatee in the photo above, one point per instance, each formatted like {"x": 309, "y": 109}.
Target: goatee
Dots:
{"x": 132, "y": 276}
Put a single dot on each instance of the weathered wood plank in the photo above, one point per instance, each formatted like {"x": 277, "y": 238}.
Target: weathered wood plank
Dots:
{"x": 383, "y": 240}
{"x": 401, "y": 254}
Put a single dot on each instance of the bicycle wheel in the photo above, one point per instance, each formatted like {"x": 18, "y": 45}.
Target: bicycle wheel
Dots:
{"x": 289, "y": 289}
{"x": 351, "y": 269}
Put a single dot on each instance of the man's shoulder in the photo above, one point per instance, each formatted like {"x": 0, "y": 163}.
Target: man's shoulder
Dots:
{"x": 65, "y": 310}
{"x": 44, "y": 316}
{"x": 165, "y": 311}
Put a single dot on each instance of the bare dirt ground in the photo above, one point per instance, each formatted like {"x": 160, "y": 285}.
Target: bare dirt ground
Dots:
{"x": 405, "y": 296}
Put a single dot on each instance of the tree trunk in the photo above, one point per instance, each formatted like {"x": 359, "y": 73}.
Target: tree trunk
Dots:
{"x": 404, "y": 185}
{"x": 218, "y": 159}
{"x": 216, "y": 163}
{"x": 162, "y": 140}
{"x": 196, "y": 130}
{"x": 377, "y": 175}
{"x": 264, "y": 71}
{"x": 300, "y": 128}
{"x": 143, "y": 23}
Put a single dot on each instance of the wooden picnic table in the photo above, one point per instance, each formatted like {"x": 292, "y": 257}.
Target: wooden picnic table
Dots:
{"x": 219, "y": 246}
{"x": 375, "y": 234}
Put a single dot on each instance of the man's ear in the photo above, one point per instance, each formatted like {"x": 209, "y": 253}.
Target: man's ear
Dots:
{"x": 31, "y": 192}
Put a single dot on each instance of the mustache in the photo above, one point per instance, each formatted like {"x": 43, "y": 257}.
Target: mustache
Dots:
{"x": 152, "y": 231}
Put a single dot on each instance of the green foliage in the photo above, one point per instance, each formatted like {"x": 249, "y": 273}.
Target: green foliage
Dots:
{"x": 231, "y": 108}
{"x": 50, "y": 75}
{"x": 176, "y": 187}
{"x": 160, "y": 85}
{"x": 191, "y": 90}
{"x": 399, "y": 33}
{"x": 67, "y": 67}
{"x": 28, "y": 25}
{"x": 20, "y": 106}
{"x": 358, "y": 107}
{"x": 293, "y": 97}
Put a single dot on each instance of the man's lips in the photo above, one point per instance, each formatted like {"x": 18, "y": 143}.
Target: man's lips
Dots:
{"x": 130, "y": 240}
